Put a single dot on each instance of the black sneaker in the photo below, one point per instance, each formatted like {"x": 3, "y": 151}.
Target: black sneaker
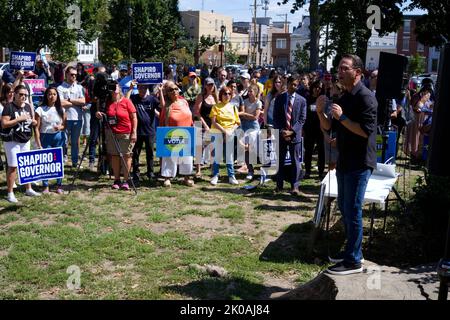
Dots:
{"x": 344, "y": 269}
{"x": 340, "y": 258}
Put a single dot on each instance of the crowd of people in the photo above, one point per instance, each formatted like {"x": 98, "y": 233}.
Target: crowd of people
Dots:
{"x": 333, "y": 115}
{"x": 222, "y": 101}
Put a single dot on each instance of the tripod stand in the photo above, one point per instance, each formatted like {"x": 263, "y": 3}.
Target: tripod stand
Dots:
{"x": 117, "y": 147}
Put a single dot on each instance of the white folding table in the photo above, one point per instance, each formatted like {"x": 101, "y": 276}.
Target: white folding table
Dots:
{"x": 377, "y": 192}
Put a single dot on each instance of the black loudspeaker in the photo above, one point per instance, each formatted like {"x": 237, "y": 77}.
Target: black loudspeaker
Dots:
{"x": 440, "y": 130}
{"x": 390, "y": 81}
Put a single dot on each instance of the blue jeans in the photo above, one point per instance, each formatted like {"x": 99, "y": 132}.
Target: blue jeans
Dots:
{"x": 52, "y": 140}
{"x": 229, "y": 154}
{"x": 351, "y": 190}
{"x": 73, "y": 132}
{"x": 94, "y": 134}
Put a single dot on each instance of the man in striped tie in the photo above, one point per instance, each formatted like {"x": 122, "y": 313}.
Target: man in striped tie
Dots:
{"x": 288, "y": 117}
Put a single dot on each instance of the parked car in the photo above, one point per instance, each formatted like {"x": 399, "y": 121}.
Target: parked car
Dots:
{"x": 3, "y": 67}
{"x": 416, "y": 81}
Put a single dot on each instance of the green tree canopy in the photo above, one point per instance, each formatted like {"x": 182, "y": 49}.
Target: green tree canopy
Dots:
{"x": 416, "y": 64}
{"x": 433, "y": 28}
{"x": 347, "y": 20}
{"x": 155, "y": 28}
{"x": 301, "y": 59}
{"x": 30, "y": 25}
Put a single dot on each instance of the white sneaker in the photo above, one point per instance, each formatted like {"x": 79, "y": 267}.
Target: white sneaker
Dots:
{"x": 11, "y": 198}
{"x": 249, "y": 177}
{"x": 233, "y": 180}
{"x": 32, "y": 193}
{"x": 214, "y": 180}
{"x": 14, "y": 185}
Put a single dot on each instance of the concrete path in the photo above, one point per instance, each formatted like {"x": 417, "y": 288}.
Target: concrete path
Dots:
{"x": 375, "y": 283}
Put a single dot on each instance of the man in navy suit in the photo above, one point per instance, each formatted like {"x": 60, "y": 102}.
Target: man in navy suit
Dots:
{"x": 289, "y": 116}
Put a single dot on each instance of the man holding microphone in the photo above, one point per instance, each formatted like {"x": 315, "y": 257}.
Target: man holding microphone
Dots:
{"x": 354, "y": 119}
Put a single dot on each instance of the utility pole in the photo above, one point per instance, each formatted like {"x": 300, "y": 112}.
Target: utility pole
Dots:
{"x": 265, "y": 7}
{"x": 286, "y": 26}
{"x": 255, "y": 44}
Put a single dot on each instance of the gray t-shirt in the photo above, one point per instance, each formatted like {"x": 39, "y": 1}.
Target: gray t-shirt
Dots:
{"x": 74, "y": 91}
{"x": 252, "y": 107}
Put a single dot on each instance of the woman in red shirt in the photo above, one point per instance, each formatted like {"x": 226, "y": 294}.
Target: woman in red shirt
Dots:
{"x": 175, "y": 112}
{"x": 121, "y": 116}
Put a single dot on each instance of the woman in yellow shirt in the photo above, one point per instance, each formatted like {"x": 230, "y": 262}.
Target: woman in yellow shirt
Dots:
{"x": 224, "y": 119}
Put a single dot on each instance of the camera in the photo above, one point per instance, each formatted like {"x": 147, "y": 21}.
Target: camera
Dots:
{"x": 112, "y": 120}
{"x": 104, "y": 85}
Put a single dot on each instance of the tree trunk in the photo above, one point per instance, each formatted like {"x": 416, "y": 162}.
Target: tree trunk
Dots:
{"x": 440, "y": 132}
{"x": 314, "y": 28}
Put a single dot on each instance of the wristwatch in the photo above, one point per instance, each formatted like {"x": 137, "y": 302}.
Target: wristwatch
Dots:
{"x": 342, "y": 117}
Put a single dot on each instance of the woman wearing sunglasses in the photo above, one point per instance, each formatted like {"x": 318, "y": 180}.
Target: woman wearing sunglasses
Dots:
{"x": 224, "y": 121}
{"x": 17, "y": 122}
{"x": 175, "y": 112}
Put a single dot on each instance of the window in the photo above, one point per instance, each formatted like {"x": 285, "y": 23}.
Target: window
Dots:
{"x": 405, "y": 44}
{"x": 434, "y": 65}
{"x": 281, "y": 44}
{"x": 82, "y": 48}
{"x": 369, "y": 43}
{"x": 217, "y": 25}
{"x": 384, "y": 44}
{"x": 243, "y": 44}
{"x": 420, "y": 47}
{"x": 377, "y": 43}
{"x": 407, "y": 26}
{"x": 92, "y": 50}
{"x": 192, "y": 23}
{"x": 265, "y": 39}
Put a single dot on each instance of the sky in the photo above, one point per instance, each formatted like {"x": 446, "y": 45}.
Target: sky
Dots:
{"x": 240, "y": 10}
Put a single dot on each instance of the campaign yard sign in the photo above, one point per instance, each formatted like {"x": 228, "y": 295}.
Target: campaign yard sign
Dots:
{"x": 37, "y": 86}
{"x": 147, "y": 72}
{"x": 22, "y": 60}
{"x": 41, "y": 164}
{"x": 175, "y": 142}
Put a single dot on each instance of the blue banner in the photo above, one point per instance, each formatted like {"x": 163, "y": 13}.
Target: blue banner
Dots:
{"x": 41, "y": 164}
{"x": 391, "y": 145}
{"x": 175, "y": 142}
{"x": 22, "y": 60}
{"x": 148, "y": 72}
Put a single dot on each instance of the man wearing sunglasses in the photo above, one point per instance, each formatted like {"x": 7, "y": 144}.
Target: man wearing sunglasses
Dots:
{"x": 72, "y": 100}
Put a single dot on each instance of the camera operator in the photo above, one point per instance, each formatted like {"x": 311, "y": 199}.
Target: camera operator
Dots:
{"x": 120, "y": 133}
{"x": 94, "y": 122}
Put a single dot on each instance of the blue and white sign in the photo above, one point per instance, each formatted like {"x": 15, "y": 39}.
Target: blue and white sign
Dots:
{"x": 175, "y": 142}
{"x": 41, "y": 164}
{"x": 22, "y": 60}
{"x": 148, "y": 72}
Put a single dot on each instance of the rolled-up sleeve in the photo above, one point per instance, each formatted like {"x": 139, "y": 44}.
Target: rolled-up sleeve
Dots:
{"x": 368, "y": 121}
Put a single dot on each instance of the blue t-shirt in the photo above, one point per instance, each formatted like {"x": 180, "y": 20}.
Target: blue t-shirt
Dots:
{"x": 145, "y": 110}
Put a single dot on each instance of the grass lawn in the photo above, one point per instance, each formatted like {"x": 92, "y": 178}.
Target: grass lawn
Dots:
{"x": 147, "y": 246}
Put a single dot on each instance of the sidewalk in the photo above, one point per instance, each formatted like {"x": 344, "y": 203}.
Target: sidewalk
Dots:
{"x": 375, "y": 283}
